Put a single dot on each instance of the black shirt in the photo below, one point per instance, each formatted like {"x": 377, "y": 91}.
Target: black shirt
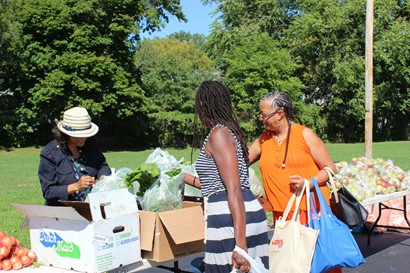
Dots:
{"x": 56, "y": 170}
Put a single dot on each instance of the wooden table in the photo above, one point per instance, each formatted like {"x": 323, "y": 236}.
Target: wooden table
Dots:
{"x": 379, "y": 199}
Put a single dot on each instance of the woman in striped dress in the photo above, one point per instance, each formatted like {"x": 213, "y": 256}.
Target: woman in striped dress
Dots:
{"x": 233, "y": 216}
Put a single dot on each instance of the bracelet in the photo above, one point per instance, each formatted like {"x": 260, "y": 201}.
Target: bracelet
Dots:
{"x": 193, "y": 183}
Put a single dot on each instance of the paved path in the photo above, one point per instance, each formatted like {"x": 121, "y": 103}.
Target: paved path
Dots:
{"x": 185, "y": 265}
{"x": 388, "y": 252}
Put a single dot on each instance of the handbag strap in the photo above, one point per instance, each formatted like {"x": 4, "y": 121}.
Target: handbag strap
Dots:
{"x": 332, "y": 178}
{"x": 324, "y": 207}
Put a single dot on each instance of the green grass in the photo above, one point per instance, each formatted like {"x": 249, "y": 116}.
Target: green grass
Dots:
{"x": 19, "y": 182}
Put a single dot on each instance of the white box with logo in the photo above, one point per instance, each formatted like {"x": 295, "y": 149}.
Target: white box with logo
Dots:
{"x": 94, "y": 236}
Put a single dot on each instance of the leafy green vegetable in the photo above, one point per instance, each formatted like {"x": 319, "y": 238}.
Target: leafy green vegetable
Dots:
{"x": 174, "y": 172}
{"x": 145, "y": 174}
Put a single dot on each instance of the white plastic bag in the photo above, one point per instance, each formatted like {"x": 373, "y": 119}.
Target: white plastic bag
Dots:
{"x": 188, "y": 189}
{"x": 164, "y": 160}
{"x": 112, "y": 182}
{"x": 256, "y": 186}
{"x": 165, "y": 194}
{"x": 255, "y": 263}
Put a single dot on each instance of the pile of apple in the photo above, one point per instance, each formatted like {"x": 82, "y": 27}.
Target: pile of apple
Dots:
{"x": 12, "y": 255}
{"x": 365, "y": 177}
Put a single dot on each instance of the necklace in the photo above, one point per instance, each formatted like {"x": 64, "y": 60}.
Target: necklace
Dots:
{"x": 279, "y": 141}
{"x": 278, "y": 137}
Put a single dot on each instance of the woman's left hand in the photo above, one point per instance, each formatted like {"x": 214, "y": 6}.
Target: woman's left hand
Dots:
{"x": 239, "y": 262}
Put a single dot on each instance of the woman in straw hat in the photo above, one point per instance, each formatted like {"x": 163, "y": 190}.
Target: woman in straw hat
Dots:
{"x": 70, "y": 164}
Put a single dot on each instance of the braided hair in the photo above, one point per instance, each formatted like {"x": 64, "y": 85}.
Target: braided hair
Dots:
{"x": 213, "y": 105}
{"x": 281, "y": 100}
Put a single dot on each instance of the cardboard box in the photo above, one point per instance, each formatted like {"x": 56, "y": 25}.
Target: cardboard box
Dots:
{"x": 89, "y": 237}
{"x": 172, "y": 234}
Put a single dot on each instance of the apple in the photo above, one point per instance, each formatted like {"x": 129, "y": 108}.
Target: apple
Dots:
{"x": 385, "y": 178}
{"x": 345, "y": 181}
{"x": 401, "y": 176}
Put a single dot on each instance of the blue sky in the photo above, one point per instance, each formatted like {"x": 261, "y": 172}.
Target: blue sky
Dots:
{"x": 198, "y": 17}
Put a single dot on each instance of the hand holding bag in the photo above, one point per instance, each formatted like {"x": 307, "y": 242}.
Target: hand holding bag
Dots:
{"x": 336, "y": 246}
{"x": 292, "y": 245}
{"x": 344, "y": 205}
{"x": 256, "y": 265}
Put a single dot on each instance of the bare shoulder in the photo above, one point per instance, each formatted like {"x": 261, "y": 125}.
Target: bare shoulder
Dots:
{"x": 220, "y": 134}
{"x": 310, "y": 136}
{"x": 221, "y": 143}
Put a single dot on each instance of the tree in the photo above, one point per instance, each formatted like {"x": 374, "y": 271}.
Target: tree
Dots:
{"x": 326, "y": 39}
{"x": 253, "y": 62}
{"x": 171, "y": 71}
{"x": 392, "y": 59}
{"x": 199, "y": 40}
{"x": 10, "y": 44}
{"x": 81, "y": 53}
{"x": 330, "y": 37}
{"x": 254, "y": 67}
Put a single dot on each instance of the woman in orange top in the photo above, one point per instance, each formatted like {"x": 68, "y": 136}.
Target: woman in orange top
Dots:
{"x": 288, "y": 153}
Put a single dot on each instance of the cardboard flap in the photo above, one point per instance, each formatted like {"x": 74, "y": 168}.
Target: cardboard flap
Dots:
{"x": 184, "y": 229}
{"x": 49, "y": 212}
{"x": 84, "y": 209}
{"x": 147, "y": 226}
{"x": 116, "y": 202}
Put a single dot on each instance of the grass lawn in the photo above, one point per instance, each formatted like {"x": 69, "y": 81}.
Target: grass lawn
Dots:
{"x": 19, "y": 182}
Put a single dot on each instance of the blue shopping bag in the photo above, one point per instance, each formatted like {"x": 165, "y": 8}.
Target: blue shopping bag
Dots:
{"x": 335, "y": 246}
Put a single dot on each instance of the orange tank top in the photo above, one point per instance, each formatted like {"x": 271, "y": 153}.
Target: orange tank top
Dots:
{"x": 276, "y": 179}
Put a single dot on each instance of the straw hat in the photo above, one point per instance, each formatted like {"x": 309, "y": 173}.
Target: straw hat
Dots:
{"x": 77, "y": 123}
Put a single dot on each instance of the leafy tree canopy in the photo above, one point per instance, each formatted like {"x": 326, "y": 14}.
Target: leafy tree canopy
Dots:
{"x": 326, "y": 39}
{"x": 171, "y": 71}
{"x": 78, "y": 53}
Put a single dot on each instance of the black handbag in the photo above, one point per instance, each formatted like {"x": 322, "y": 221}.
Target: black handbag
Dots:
{"x": 344, "y": 205}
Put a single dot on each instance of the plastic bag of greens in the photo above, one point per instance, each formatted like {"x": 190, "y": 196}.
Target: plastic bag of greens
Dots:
{"x": 142, "y": 178}
{"x": 164, "y": 160}
{"x": 112, "y": 182}
{"x": 188, "y": 189}
{"x": 164, "y": 194}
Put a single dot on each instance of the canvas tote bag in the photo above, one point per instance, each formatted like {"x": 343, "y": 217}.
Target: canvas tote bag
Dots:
{"x": 292, "y": 245}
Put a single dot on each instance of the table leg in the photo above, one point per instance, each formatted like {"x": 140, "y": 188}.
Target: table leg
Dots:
{"x": 383, "y": 207}
{"x": 174, "y": 269}
{"x": 405, "y": 210}
{"x": 374, "y": 224}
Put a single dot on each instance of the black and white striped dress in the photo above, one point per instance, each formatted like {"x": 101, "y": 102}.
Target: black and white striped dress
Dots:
{"x": 220, "y": 240}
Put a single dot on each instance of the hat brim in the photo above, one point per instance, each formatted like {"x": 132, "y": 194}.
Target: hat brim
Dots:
{"x": 79, "y": 133}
